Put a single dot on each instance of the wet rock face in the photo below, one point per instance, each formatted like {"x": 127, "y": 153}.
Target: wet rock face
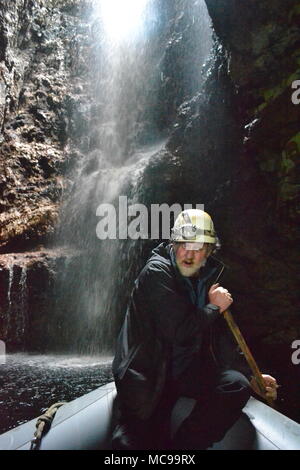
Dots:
{"x": 262, "y": 43}
{"x": 43, "y": 102}
{"x": 260, "y": 236}
{"x": 27, "y": 298}
{"x": 42, "y": 93}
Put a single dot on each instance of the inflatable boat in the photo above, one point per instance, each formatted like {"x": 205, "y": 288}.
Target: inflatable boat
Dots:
{"x": 86, "y": 424}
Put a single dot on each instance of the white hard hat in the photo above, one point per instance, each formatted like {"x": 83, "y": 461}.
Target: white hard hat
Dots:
{"x": 194, "y": 225}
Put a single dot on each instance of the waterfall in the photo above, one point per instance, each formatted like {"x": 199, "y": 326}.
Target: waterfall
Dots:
{"x": 18, "y": 307}
{"x": 14, "y": 316}
{"x": 6, "y": 311}
{"x": 124, "y": 132}
{"x": 7, "y": 321}
{"x": 23, "y": 301}
{"x": 10, "y": 281}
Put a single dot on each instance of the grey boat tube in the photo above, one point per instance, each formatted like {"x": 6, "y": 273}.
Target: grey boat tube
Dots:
{"x": 87, "y": 422}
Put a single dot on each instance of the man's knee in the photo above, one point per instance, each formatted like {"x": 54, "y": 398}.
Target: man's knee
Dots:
{"x": 234, "y": 384}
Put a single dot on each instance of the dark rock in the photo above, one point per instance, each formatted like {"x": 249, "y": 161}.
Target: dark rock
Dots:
{"x": 33, "y": 116}
{"x": 26, "y": 296}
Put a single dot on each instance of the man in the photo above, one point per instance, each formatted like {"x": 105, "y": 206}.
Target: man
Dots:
{"x": 175, "y": 342}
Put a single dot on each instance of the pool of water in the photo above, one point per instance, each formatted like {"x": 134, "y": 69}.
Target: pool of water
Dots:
{"x": 30, "y": 383}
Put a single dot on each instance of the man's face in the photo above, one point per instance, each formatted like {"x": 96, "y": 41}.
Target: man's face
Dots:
{"x": 189, "y": 261}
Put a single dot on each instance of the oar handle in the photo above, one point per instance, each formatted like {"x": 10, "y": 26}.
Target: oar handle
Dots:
{"x": 248, "y": 355}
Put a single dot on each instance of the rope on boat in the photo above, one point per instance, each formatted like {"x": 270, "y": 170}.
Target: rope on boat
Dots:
{"x": 43, "y": 425}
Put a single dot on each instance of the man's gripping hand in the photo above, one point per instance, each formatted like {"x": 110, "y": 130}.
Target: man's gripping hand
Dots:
{"x": 219, "y": 296}
{"x": 270, "y": 386}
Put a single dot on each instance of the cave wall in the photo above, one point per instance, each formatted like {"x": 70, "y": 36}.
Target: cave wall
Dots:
{"x": 44, "y": 105}
{"x": 261, "y": 48}
{"x": 260, "y": 230}
{"x": 43, "y": 90}
{"x": 262, "y": 42}
{"x": 28, "y": 297}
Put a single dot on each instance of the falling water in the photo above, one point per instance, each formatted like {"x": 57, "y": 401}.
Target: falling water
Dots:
{"x": 14, "y": 317}
{"x": 5, "y": 313}
{"x": 10, "y": 281}
{"x": 23, "y": 300}
{"x": 124, "y": 133}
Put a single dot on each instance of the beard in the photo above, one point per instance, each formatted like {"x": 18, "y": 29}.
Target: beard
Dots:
{"x": 192, "y": 270}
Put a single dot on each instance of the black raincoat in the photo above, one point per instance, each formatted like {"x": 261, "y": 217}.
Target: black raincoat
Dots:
{"x": 164, "y": 328}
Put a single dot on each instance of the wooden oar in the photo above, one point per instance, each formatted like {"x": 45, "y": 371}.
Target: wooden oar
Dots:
{"x": 248, "y": 355}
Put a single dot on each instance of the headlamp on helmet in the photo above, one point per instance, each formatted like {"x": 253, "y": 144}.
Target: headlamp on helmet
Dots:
{"x": 194, "y": 225}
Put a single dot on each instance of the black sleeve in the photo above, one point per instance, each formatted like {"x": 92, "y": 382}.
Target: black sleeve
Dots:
{"x": 174, "y": 316}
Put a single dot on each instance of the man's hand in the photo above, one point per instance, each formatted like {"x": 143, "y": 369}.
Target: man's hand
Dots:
{"x": 219, "y": 296}
{"x": 270, "y": 386}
